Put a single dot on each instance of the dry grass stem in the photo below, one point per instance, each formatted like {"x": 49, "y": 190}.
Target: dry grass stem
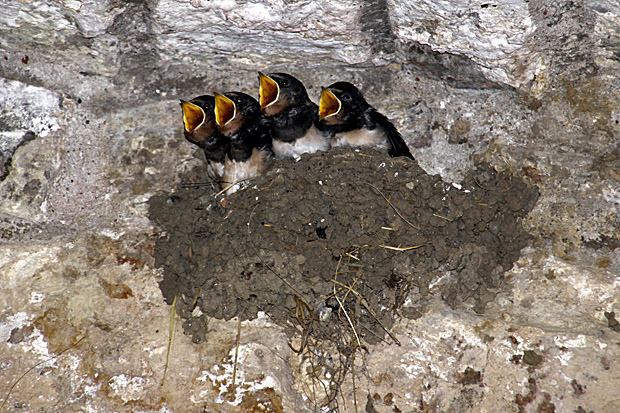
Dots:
{"x": 359, "y": 343}
{"x": 234, "y": 377}
{"x": 241, "y": 188}
{"x": 387, "y": 247}
{"x": 8, "y": 393}
{"x": 170, "y": 335}
{"x": 393, "y": 207}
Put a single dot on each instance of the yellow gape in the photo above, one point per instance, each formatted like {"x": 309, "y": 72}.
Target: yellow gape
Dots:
{"x": 193, "y": 116}
{"x": 225, "y": 110}
{"x": 269, "y": 91}
{"x": 329, "y": 105}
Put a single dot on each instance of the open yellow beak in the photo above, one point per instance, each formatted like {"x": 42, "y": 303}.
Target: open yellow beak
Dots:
{"x": 269, "y": 91}
{"x": 225, "y": 110}
{"x": 193, "y": 116}
{"x": 329, "y": 104}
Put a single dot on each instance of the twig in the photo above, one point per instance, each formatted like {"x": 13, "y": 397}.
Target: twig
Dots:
{"x": 154, "y": 234}
{"x": 480, "y": 185}
{"x": 442, "y": 217}
{"x": 387, "y": 247}
{"x": 170, "y": 335}
{"x": 350, "y": 288}
{"x": 349, "y": 320}
{"x": 372, "y": 313}
{"x": 344, "y": 287}
{"x": 353, "y": 379}
{"x": 301, "y": 308}
{"x": 352, "y": 264}
{"x": 236, "y": 355}
{"x": 302, "y": 345}
{"x": 262, "y": 260}
{"x": 235, "y": 183}
{"x": 340, "y": 302}
{"x": 196, "y": 297}
{"x": 393, "y": 207}
{"x": 376, "y": 335}
{"x": 8, "y": 393}
{"x": 195, "y": 184}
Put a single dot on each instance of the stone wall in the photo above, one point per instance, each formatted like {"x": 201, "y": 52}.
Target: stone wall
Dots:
{"x": 90, "y": 129}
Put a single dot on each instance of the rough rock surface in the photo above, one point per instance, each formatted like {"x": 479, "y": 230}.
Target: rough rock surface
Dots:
{"x": 90, "y": 131}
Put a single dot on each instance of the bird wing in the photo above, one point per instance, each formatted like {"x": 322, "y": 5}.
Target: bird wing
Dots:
{"x": 397, "y": 145}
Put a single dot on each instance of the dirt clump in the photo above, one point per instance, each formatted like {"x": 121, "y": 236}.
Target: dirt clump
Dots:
{"x": 338, "y": 242}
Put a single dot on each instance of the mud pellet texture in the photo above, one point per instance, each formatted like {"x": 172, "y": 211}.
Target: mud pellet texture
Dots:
{"x": 338, "y": 240}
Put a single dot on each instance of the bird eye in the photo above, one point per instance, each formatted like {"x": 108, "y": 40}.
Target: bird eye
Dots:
{"x": 346, "y": 97}
{"x": 284, "y": 83}
{"x": 238, "y": 100}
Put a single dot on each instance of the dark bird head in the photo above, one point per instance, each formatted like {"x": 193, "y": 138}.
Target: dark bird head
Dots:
{"x": 342, "y": 103}
{"x": 233, "y": 110}
{"x": 279, "y": 91}
{"x": 199, "y": 119}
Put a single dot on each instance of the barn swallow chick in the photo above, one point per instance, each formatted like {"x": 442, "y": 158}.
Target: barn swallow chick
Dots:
{"x": 350, "y": 120}
{"x": 250, "y": 134}
{"x": 284, "y": 100}
{"x": 201, "y": 130}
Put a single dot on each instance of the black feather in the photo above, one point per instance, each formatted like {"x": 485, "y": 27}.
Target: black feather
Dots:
{"x": 294, "y": 122}
{"x": 207, "y": 137}
{"x": 397, "y": 145}
{"x": 256, "y": 132}
{"x": 358, "y": 114}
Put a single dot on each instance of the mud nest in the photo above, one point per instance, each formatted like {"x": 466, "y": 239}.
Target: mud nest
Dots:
{"x": 338, "y": 241}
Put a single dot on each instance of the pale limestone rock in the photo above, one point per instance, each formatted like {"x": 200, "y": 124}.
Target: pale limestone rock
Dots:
{"x": 90, "y": 128}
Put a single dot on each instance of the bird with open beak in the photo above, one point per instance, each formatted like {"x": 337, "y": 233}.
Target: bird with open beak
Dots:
{"x": 249, "y": 154}
{"x": 350, "y": 120}
{"x": 285, "y": 101}
{"x": 200, "y": 129}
